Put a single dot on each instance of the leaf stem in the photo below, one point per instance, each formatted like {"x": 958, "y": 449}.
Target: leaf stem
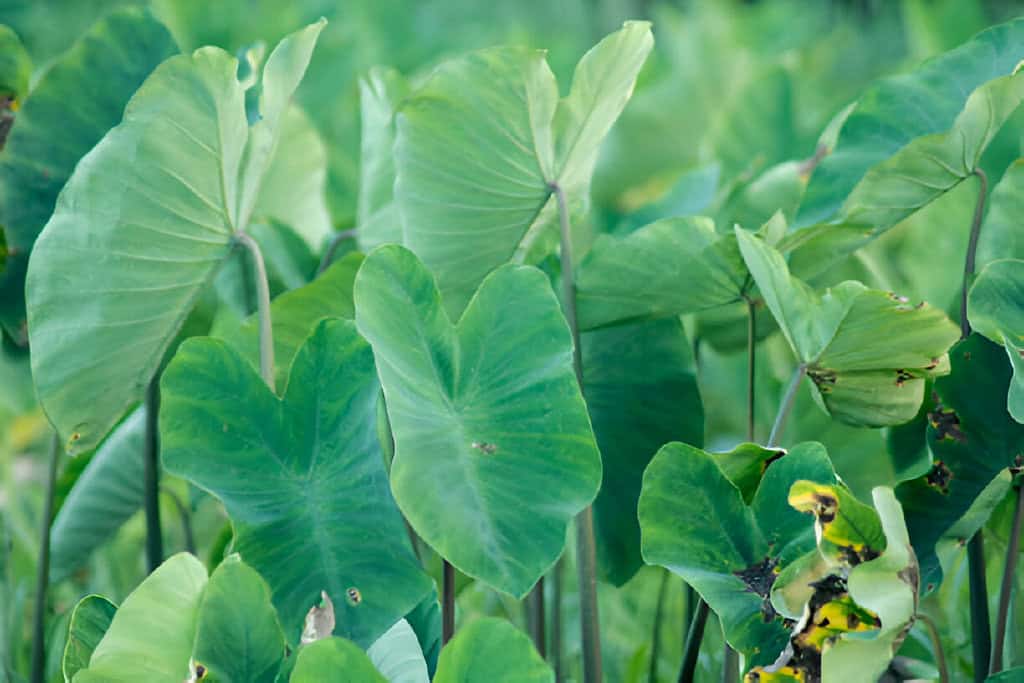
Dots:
{"x": 586, "y": 551}
{"x": 751, "y": 365}
{"x": 536, "y": 617}
{"x": 693, "y": 638}
{"x": 332, "y": 248}
{"x": 263, "y": 307}
{"x": 972, "y": 251}
{"x": 659, "y": 610}
{"x": 981, "y": 633}
{"x": 447, "y": 601}
{"x": 556, "y": 620}
{"x": 940, "y": 653}
{"x": 1006, "y": 587}
{"x": 151, "y": 477}
{"x": 786, "y": 407}
{"x": 43, "y": 567}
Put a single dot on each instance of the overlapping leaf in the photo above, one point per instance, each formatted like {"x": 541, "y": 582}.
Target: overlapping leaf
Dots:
{"x": 494, "y": 452}
{"x": 868, "y": 352}
{"x": 143, "y": 225}
{"x": 302, "y": 477}
{"x": 492, "y": 650}
{"x": 996, "y": 310}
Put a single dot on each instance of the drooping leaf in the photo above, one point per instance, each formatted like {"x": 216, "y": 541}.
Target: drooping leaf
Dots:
{"x": 99, "y": 74}
{"x": 492, "y": 650}
{"x": 302, "y": 477}
{"x": 380, "y": 95}
{"x": 142, "y": 227}
{"x": 494, "y": 452}
{"x": 695, "y": 522}
{"x": 867, "y": 352}
{"x": 152, "y": 633}
{"x": 295, "y": 314}
{"x": 480, "y": 145}
{"x": 108, "y": 492}
{"x": 89, "y": 621}
{"x": 995, "y": 308}
{"x": 397, "y": 655}
{"x": 334, "y": 660}
{"x": 976, "y": 445}
{"x": 848, "y": 531}
{"x": 238, "y": 636}
{"x": 891, "y": 159}
{"x": 641, "y": 391}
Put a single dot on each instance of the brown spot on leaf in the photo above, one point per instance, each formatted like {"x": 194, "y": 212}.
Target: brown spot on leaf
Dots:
{"x": 319, "y": 620}
{"x": 485, "y": 448}
{"x": 759, "y": 579}
{"x": 902, "y": 376}
{"x": 939, "y": 476}
{"x": 946, "y": 424}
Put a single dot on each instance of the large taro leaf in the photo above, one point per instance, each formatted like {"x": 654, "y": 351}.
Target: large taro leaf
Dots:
{"x": 143, "y": 225}
{"x": 868, "y": 352}
{"x": 494, "y": 452}
{"x": 302, "y": 477}
{"x": 89, "y": 620}
{"x": 995, "y": 308}
{"x": 492, "y": 650}
{"x": 334, "y": 660}
{"x": 294, "y": 314}
{"x": 76, "y": 101}
{"x": 977, "y": 447}
{"x": 178, "y": 621}
{"x": 481, "y": 144}
{"x": 909, "y": 139}
{"x": 695, "y": 522}
{"x": 105, "y": 496}
{"x": 380, "y": 95}
{"x": 641, "y": 391}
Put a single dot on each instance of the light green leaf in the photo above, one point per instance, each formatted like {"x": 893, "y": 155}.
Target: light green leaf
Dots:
{"x": 106, "y": 495}
{"x": 641, "y": 391}
{"x": 491, "y": 650}
{"x": 301, "y": 477}
{"x": 334, "y": 660}
{"x": 995, "y": 308}
{"x": 238, "y": 637}
{"x": 90, "y": 619}
{"x": 100, "y": 71}
{"x": 494, "y": 452}
{"x": 694, "y": 521}
{"x": 867, "y": 352}
{"x": 142, "y": 227}
{"x": 481, "y": 144}
{"x": 398, "y": 656}
{"x": 15, "y": 66}
{"x": 151, "y": 636}
{"x": 380, "y": 95}
{"x": 1001, "y": 236}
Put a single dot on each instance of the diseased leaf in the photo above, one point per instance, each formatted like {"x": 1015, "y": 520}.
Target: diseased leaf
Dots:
{"x": 494, "y": 452}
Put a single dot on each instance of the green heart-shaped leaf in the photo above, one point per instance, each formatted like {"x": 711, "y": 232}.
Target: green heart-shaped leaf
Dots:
{"x": 105, "y": 67}
{"x": 976, "y": 445}
{"x": 301, "y": 477}
{"x": 641, "y": 391}
{"x": 89, "y": 621}
{"x": 334, "y": 660}
{"x": 868, "y": 352}
{"x": 481, "y": 143}
{"x": 142, "y": 227}
{"x": 694, "y": 521}
{"x": 494, "y": 452}
{"x": 996, "y": 309}
{"x": 492, "y": 650}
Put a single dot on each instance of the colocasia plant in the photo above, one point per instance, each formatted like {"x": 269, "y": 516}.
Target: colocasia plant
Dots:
{"x": 487, "y": 378}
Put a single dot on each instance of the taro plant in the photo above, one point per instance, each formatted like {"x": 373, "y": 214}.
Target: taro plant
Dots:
{"x": 302, "y": 434}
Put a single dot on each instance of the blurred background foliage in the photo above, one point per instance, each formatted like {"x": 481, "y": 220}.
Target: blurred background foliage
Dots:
{"x": 727, "y": 120}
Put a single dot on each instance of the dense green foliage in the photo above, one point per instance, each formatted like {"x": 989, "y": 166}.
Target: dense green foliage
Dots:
{"x": 528, "y": 342}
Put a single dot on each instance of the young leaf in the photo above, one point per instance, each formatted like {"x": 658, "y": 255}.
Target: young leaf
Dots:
{"x": 301, "y": 477}
{"x": 494, "y": 452}
{"x": 49, "y": 137}
{"x": 334, "y": 660}
{"x": 641, "y": 392}
{"x": 996, "y": 310}
{"x": 142, "y": 226}
{"x": 867, "y": 352}
{"x": 976, "y": 445}
{"x": 89, "y": 621}
{"x": 694, "y": 521}
{"x": 481, "y": 144}
{"x": 492, "y": 650}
